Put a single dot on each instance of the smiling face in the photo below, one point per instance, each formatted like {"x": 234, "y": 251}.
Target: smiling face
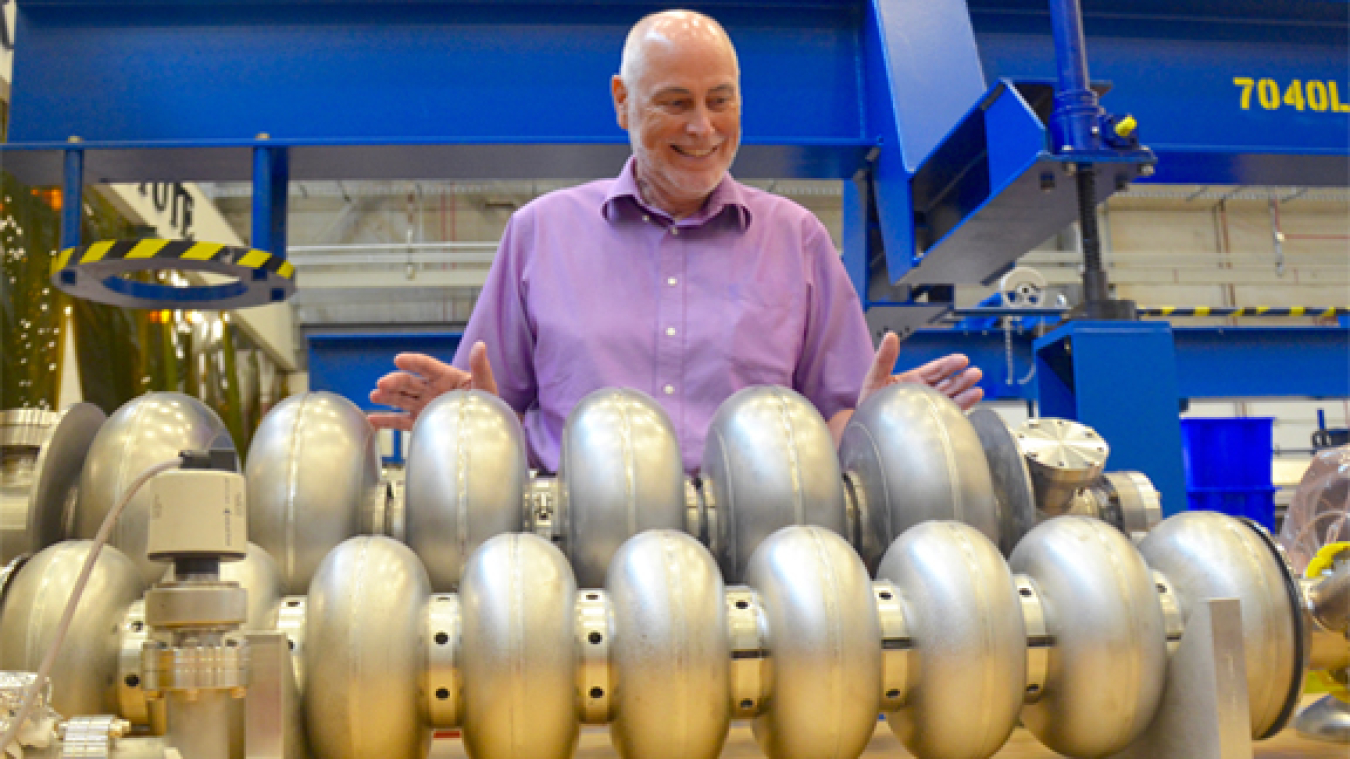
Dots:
{"x": 679, "y": 98}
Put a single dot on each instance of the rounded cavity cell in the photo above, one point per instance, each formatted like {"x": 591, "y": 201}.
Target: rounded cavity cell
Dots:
{"x": 968, "y": 642}
{"x": 1013, "y": 491}
{"x": 916, "y": 458}
{"x": 363, "y": 652}
{"x": 145, "y": 431}
{"x": 55, "y": 446}
{"x": 824, "y": 644}
{"x": 84, "y": 676}
{"x": 517, "y": 602}
{"x": 1108, "y": 662}
{"x": 313, "y": 479}
{"x": 1210, "y": 555}
{"x": 670, "y": 656}
{"x": 620, "y": 473}
{"x": 769, "y": 461}
{"x": 466, "y": 480}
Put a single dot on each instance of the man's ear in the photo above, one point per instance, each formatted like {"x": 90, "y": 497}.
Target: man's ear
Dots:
{"x": 620, "y": 92}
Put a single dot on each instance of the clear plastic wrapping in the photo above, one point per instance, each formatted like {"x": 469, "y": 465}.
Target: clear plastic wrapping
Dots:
{"x": 1320, "y": 511}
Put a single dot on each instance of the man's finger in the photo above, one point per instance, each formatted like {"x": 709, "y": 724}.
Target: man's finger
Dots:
{"x": 402, "y": 382}
{"x": 397, "y": 400}
{"x": 963, "y": 382}
{"x": 383, "y": 420}
{"x": 423, "y": 365}
{"x": 937, "y": 370}
{"x": 480, "y": 369}
{"x": 969, "y": 398}
{"x": 887, "y": 354}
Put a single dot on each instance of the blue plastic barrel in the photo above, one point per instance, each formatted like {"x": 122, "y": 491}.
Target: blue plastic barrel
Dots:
{"x": 1228, "y": 466}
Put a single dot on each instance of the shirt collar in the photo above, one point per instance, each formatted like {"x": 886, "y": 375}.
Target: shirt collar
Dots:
{"x": 727, "y": 197}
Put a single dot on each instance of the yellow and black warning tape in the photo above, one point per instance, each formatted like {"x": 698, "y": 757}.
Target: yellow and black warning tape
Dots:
{"x": 1320, "y": 312}
{"x": 102, "y": 272}
{"x": 175, "y": 250}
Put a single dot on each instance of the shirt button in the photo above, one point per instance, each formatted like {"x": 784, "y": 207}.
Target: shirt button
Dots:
{"x": 674, "y": 230}
{"x": 670, "y": 389}
{"x": 672, "y": 281}
{"x": 647, "y": 218}
{"x": 670, "y": 331}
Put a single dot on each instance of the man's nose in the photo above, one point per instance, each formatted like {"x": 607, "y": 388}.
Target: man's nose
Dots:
{"x": 700, "y": 121}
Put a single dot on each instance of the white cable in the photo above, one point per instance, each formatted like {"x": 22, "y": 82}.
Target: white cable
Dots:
{"x": 49, "y": 660}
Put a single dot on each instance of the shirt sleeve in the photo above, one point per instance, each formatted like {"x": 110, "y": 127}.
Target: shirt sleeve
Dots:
{"x": 501, "y": 319}
{"x": 837, "y": 347}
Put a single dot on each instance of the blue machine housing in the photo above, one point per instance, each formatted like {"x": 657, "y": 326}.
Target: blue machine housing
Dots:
{"x": 961, "y": 177}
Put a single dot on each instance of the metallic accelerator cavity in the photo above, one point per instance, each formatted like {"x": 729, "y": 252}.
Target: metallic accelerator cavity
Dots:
{"x": 916, "y": 458}
{"x": 143, "y": 432}
{"x": 769, "y": 462}
{"x": 1011, "y": 480}
{"x": 82, "y": 680}
{"x": 1108, "y": 661}
{"x": 313, "y": 481}
{"x": 364, "y": 620}
{"x": 824, "y": 643}
{"x": 670, "y": 653}
{"x": 519, "y": 649}
{"x": 1207, "y": 555}
{"x": 41, "y": 456}
{"x": 467, "y": 478}
{"x": 967, "y": 642}
{"x": 620, "y": 473}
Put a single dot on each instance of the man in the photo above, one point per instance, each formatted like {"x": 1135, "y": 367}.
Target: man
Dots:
{"x": 672, "y": 279}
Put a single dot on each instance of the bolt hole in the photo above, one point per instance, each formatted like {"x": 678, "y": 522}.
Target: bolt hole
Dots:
{"x": 885, "y": 595}
{"x": 290, "y": 644}
{"x": 231, "y": 643}
{"x": 1025, "y": 591}
{"x": 292, "y": 604}
{"x": 1033, "y": 688}
{"x": 442, "y": 639}
{"x": 442, "y": 693}
{"x": 747, "y": 704}
{"x": 892, "y": 693}
{"x": 595, "y": 638}
{"x": 592, "y": 596}
{"x": 137, "y": 626}
{"x": 597, "y": 692}
{"x": 742, "y": 604}
{"x": 442, "y": 599}
{"x": 133, "y": 681}
{"x": 1162, "y": 588}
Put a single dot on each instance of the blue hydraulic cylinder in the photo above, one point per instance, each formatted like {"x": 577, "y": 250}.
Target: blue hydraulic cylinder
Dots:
{"x": 1120, "y": 378}
{"x": 72, "y": 198}
{"x": 1077, "y": 113}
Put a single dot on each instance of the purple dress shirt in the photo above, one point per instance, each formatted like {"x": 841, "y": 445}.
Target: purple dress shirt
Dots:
{"x": 592, "y": 288}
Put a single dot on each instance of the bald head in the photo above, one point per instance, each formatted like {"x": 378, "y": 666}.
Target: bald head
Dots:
{"x": 668, "y": 32}
{"x": 678, "y": 95}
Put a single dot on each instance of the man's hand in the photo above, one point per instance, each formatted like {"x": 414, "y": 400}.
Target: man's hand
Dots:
{"x": 950, "y": 375}
{"x": 421, "y": 381}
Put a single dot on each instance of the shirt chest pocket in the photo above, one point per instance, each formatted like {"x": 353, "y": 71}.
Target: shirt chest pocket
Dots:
{"x": 762, "y": 336}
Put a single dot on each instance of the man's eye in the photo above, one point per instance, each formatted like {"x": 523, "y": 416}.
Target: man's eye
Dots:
{"x": 719, "y": 103}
